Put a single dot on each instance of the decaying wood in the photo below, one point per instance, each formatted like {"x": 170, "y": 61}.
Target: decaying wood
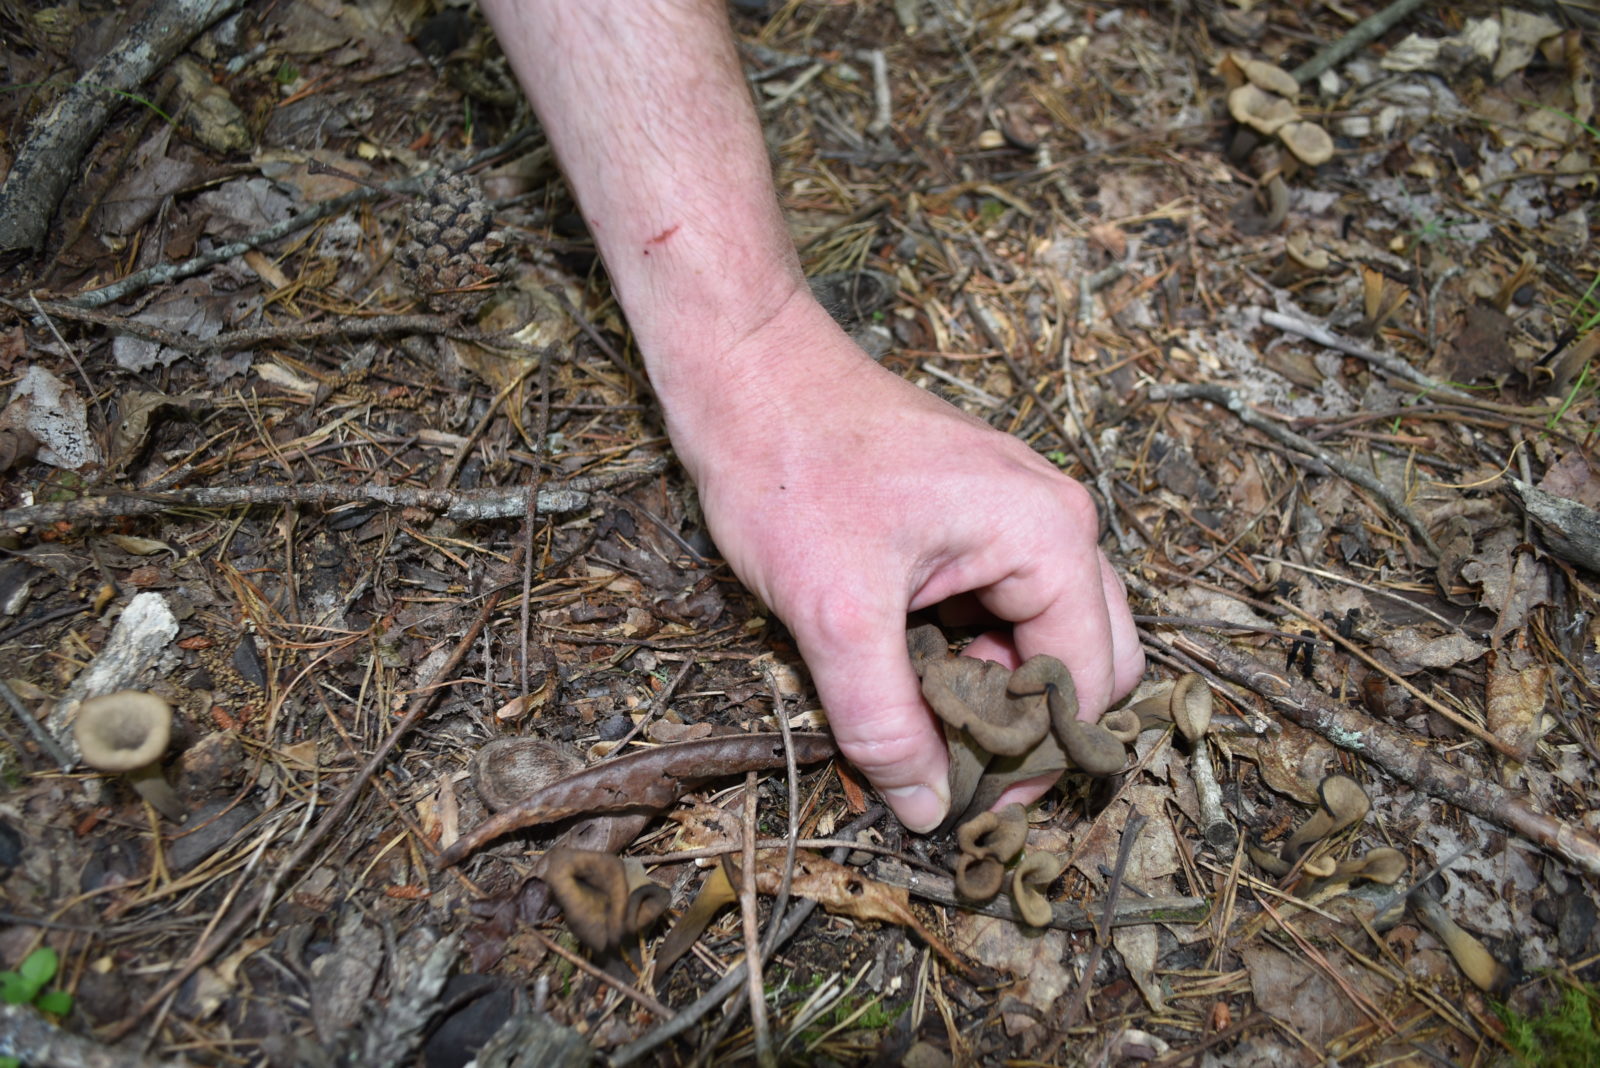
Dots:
{"x": 647, "y": 780}
{"x": 49, "y": 159}
{"x": 1394, "y": 751}
{"x": 29, "y": 1037}
{"x": 501, "y": 502}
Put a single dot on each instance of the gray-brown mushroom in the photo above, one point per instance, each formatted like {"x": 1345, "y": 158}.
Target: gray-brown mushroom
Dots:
{"x": 1342, "y": 803}
{"x": 1032, "y": 876}
{"x": 128, "y": 732}
{"x": 605, "y": 899}
{"x": 1090, "y": 746}
{"x": 973, "y": 695}
{"x": 1187, "y": 702}
{"x": 1483, "y": 968}
{"x": 1260, "y": 110}
{"x": 1309, "y": 142}
{"x": 988, "y": 842}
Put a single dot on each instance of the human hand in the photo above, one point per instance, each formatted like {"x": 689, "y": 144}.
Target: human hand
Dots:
{"x": 845, "y": 497}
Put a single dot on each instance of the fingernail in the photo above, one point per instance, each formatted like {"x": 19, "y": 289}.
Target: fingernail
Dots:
{"x": 918, "y": 807}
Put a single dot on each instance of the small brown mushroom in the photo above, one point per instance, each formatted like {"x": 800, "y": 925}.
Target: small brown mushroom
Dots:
{"x": 1382, "y": 865}
{"x": 1342, "y": 803}
{"x": 1090, "y": 746}
{"x": 1124, "y": 725}
{"x": 715, "y": 892}
{"x": 604, "y": 899}
{"x": 128, "y": 732}
{"x": 1028, "y": 883}
{"x": 1187, "y": 702}
{"x": 972, "y": 695}
{"x": 988, "y": 842}
{"x": 1471, "y": 956}
{"x": 1268, "y": 76}
{"x": 1309, "y": 142}
{"x": 1260, "y": 110}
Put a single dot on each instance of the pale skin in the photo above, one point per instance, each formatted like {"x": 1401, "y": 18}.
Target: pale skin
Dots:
{"x": 842, "y": 495}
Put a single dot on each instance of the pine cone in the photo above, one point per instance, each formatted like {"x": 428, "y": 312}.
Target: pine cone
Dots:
{"x": 451, "y": 245}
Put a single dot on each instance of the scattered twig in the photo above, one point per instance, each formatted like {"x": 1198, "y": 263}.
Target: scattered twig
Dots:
{"x": 755, "y": 990}
{"x": 1395, "y": 752}
{"x": 688, "y": 1016}
{"x": 51, "y": 747}
{"x": 1102, "y": 933}
{"x": 1230, "y": 399}
{"x": 225, "y": 929}
{"x": 657, "y": 706}
{"x": 1393, "y": 365}
{"x": 1361, "y": 34}
{"x": 47, "y": 161}
{"x": 348, "y": 326}
{"x": 606, "y": 348}
{"x": 792, "y": 837}
{"x": 627, "y": 990}
{"x": 501, "y": 502}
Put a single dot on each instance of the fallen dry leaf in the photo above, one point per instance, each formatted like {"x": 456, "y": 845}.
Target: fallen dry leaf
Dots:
{"x": 1515, "y": 693}
{"x": 651, "y": 779}
{"x": 845, "y": 891}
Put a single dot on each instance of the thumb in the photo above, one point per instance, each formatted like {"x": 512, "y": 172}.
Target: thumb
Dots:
{"x": 874, "y": 703}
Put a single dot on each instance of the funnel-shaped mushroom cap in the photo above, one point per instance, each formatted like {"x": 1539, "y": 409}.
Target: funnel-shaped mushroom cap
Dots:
{"x": 971, "y": 694}
{"x": 1260, "y": 110}
{"x": 123, "y": 731}
{"x": 1344, "y": 803}
{"x": 988, "y": 842}
{"x": 1191, "y": 706}
{"x": 1309, "y": 142}
{"x": 1028, "y": 882}
{"x": 604, "y": 899}
{"x": 1268, "y": 76}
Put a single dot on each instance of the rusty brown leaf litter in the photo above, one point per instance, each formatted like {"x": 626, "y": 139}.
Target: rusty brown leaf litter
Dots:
{"x": 1415, "y": 321}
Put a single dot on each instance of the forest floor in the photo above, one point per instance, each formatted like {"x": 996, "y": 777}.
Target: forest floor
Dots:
{"x": 1337, "y": 417}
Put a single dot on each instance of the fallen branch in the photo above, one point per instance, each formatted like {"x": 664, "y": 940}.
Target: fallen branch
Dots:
{"x": 1230, "y": 399}
{"x": 236, "y": 920}
{"x": 48, "y": 161}
{"x": 1361, "y": 34}
{"x": 1393, "y": 751}
{"x": 501, "y": 502}
{"x": 734, "y": 977}
{"x": 31, "y": 1039}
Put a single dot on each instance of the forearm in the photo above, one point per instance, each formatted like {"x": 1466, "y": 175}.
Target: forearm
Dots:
{"x": 649, "y": 114}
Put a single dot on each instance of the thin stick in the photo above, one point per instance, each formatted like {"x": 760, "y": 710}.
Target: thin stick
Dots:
{"x": 690, "y": 1015}
{"x": 1395, "y": 752}
{"x": 627, "y": 990}
{"x": 1231, "y": 400}
{"x": 227, "y": 929}
{"x": 791, "y": 839}
{"x": 1102, "y": 934}
{"x": 46, "y": 741}
{"x": 1361, "y": 34}
{"x": 505, "y": 502}
{"x": 754, "y": 988}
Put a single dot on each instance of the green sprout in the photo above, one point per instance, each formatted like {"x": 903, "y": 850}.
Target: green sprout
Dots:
{"x": 25, "y": 986}
{"x": 1565, "y": 1036}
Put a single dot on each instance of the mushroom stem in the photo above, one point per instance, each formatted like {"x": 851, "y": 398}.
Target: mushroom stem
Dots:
{"x": 153, "y": 787}
{"x": 1214, "y": 824}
